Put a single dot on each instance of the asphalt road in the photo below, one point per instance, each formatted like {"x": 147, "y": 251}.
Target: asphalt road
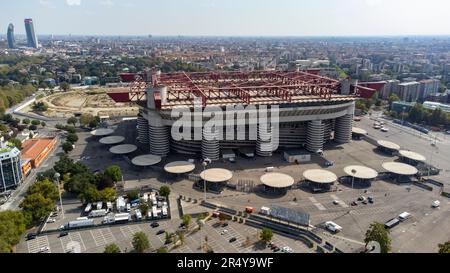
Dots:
{"x": 409, "y": 139}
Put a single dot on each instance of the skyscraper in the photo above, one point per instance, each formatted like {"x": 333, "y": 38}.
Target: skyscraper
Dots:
{"x": 31, "y": 35}
{"x": 11, "y": 36}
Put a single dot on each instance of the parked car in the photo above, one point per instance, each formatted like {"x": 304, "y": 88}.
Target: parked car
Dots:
{"x": 31, "y": 236}
{"x": 354, "y": 204}
{"x": 154, "y": 225}
{"x": 224, "y": 232}
{"x": 161, "y": 231}
{"x": 336, "y": 202}
{"x": 384, "y": 129}
{"x": 329, "y": 164}
{"x": 233, "y": 240}
{"x": 44, "y": 249}
{"x": 51, "y": 220}
{"x": 276, "y": 249}
{"x": 361, "y": 198}
{"x": 371, "y": 200}
{"x": 63, "y": 234}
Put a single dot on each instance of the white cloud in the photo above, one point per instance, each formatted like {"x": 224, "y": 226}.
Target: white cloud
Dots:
{"x": 73, "y": 2}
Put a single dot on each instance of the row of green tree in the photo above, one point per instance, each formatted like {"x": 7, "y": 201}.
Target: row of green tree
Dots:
{"x": 420, "y": 115}
{"x": 11, "y": 95}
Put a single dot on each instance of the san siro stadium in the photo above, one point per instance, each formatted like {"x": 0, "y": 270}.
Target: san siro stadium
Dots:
{"x": 311, "y": 110}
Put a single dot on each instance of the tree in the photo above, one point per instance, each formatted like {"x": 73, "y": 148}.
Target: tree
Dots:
{"x": 64, "y": 86}
{"x": 72, "y": 120}
{"x": 12, "y": 225}
{"x": 445, "y": 247}
{"x": 162, "y": 249}
{"x": 8, "y": 118}
{"x": 140, "y": 242}
{"x": 164, "y": 191}
{"x": 37, "y": 206}
{"x": 67, "y": 147}
{"x": 46, "y": 188}
{"x": 72, "y": 138}
{"x": 377, "y": 232}
{"x": 16, "y": 143}
{"x": 112, "y": 248}
{"x": 200, "y": 219}
{"x": 32, "y": 127}
{"x": 26, "y": 121}
{"x": 107, "y": 195}
{"x": 392, "y": 98}
{"x": 144, "y": 207}
{"x": 133, "y": 195}
{"x": 114, "y": 172}
{"x": 35, "y": 122}
{"x": 187, "y": 218}
{"x": 43, "y": 124}
{"x": 222, "y": 217}
{"x": 86, "y": 119}
{"x": 40, "y": 106}
{"x": 266, "y": 235}
{"x": 89, "y": 194}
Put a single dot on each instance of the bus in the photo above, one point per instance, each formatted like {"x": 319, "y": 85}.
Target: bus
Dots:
{"x": 391, "y": 223}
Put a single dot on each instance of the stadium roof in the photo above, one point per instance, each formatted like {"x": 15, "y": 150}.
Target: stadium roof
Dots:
{"x": 320, "y": 176}
{"x": 216, "y": 175}
{"x": 179, "y": 167}
{"x": 400, "y": 168}
{"x": 361, "y": 172}
{"x": 123, "y": 149}
{"x": 388, "y": 145}
{"x": 146, "y": 160}
{"x": 412, "y": 155}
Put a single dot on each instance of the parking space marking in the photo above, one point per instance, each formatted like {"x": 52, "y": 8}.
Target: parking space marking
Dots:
{"x": 317, "y": 204}
{"x": 341, "y": 203}
{"x": 129, "y": 231}
{"x": 35, "y": 245}
{"x": 102, "y": 236}
{"x": 72, "y": 237}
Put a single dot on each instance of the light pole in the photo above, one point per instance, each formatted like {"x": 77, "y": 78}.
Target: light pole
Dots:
{"x": 353, "y": 176}
{"x": 403, "y": 111}
{"x": 57, "y": 176}
{"x": 205, "y": 163}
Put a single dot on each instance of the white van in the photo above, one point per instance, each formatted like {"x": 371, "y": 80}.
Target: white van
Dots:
{"x": 403, "y": 216}
{"x": 333, "y": 227}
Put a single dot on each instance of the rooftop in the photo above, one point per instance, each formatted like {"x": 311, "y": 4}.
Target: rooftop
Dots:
{"x": 32, "y": 148}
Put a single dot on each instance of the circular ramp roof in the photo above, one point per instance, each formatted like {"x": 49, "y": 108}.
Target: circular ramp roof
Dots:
{"x": 110, "y": 140}
{"x": 359, "y": 131}
{"x": 277, "y": 180}
{"x": 146, "y": 160}
{"x": 362, "y": 172}
{"x": 179, "y": 167}
{"x": 320, "y": 176}
{"x": 123, "y": 149}
{"x": 400, "y": 168}
{"x": 102, "y": 132}
{"x": 388, "y": 145}
{"x": 216, "y": 175}
{"x": 412, "y": 156}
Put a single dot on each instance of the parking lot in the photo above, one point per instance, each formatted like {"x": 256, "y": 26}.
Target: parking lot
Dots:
{"x": 95, "y": 240}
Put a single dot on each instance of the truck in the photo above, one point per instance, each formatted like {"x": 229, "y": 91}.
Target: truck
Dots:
{"x": 391, "y": 223}
{"x": 99, "y": 205}
{"x": 88, "y": 208}
{"x": 265, "y": 210}
{"x": 80, "y": 223}
{"x": 164, "y": 211}
{"x": 117, "y": 218}
{"x": 109, "y": 206}
{"x": 128, "y": 207}
{"x": 333, "y": 227}
{"x": 120, "y": 204}
{"x": 138, "y": 214}
{"x": 97, "y": 213}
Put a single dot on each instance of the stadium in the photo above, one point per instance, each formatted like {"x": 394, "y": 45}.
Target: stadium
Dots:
{"x": 312, "y": 109}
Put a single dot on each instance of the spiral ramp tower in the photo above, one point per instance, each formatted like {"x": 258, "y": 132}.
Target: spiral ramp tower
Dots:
{"x": 211, "y": 145}
{"x": 343, "y": 129}
{"x": 264, "y": 145}
{"x": 159, "y": 140}
{"x": 143, "y": 130}
{"x": 315, "y": 137}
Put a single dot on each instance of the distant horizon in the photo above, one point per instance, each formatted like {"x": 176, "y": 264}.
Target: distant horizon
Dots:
{"x": 231, "y": 18}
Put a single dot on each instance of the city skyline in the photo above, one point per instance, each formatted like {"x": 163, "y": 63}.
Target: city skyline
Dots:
{"x": 222, "y": 18}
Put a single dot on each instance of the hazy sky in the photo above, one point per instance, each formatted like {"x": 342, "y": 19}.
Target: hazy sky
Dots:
{"x": 230, "y": 17}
